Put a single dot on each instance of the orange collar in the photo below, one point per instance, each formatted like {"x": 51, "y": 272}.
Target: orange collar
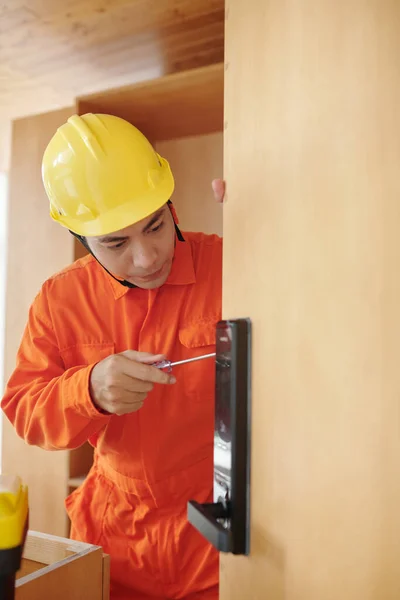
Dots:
{"x": 182, "y": 272}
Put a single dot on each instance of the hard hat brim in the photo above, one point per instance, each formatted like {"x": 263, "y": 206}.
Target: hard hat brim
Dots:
{"x": 123, "y": 215}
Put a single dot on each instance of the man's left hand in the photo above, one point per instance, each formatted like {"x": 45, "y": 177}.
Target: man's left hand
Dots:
{"x": 218, "y": 187}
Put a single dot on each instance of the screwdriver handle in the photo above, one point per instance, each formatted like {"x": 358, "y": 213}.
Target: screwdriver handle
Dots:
{"x": 163, "y": 364}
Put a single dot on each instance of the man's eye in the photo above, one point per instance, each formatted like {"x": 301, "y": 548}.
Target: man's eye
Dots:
{"x": 119, "y": 245}
{"x": 157, "y": 227}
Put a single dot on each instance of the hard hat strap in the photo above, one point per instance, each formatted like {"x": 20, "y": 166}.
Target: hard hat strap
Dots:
{"x": 175, "y": 218}
{"x": 84, "y": 243}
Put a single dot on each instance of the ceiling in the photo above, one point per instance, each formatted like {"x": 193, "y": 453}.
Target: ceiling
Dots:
{"x": 52, "y": 51}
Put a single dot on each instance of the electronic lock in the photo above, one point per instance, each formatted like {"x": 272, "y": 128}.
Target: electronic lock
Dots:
{"x": 226, "y": 522}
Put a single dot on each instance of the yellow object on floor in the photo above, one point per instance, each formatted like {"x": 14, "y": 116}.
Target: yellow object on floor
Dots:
{"x": 13, "y": 529}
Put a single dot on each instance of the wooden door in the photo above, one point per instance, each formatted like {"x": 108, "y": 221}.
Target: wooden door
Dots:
{"x": 311, "y": 232}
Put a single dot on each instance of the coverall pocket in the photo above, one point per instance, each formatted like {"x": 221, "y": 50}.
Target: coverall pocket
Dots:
{"x": 86, "y": 354}
{"x": 87, "y": 507}
{"x": 198, "y": 338}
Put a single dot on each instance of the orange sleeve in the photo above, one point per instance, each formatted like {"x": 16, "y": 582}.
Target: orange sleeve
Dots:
{"x": 48, "y": 405}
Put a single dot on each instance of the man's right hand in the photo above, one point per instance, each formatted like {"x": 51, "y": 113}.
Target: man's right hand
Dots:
{"x": 120, "y": 383}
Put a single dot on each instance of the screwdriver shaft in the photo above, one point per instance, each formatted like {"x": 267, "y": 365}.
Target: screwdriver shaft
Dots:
{"x": 189, "y": 360}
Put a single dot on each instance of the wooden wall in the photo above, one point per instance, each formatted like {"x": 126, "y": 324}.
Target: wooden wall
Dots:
{"x": 37, "y": 249}
{"x": 312, "y": 143}
{"x": 195, "y": 162}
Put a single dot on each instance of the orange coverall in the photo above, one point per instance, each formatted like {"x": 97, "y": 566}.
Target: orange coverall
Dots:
{"x": 148, "y": 464}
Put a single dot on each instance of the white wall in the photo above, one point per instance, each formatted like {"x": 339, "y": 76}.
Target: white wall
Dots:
{"x": 3, "y": 263}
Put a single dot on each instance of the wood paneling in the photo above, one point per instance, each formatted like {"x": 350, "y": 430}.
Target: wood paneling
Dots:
{"x": 79, "y": 250}
{"x": 5, "y": 143}
{"x": 37, "y": 249}
{"x": 184, "y": 104}
{"x": 80, "y": 460}
{"x": 195, "y": 162}
{"x": 311, "y": 231}
{"x": 53, "y": 51}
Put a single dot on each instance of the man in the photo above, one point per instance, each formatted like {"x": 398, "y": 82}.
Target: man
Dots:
{"x": 85, "y": 365}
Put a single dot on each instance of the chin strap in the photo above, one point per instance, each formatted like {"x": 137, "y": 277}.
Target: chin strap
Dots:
{"x": 123, "y": 282}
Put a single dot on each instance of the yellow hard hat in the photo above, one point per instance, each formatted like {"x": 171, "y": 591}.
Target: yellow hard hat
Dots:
{"x": 101, "y": 174}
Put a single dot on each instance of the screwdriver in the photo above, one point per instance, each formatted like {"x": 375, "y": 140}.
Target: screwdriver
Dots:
{"x": 167, "y": 364}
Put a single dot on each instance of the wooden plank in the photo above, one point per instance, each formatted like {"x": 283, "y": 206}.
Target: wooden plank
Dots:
{"x": 48, "y": 549}
{"x": 53, "y": 51}
{"x": 78, "y": 577}
{"x": 80, "y": 459}
{"x": 5, "y": 144}
{"x": 106, "y": 577}
{"x": 189, "y": 103}
{"x": 79, "y": 250}
{"x": 195, "y": 162}
{"x": 54, "y": 567}
{"x": 311, "y": 254}
{"x": 28, "y": 567}
{"x": 74, "y": 482}
{"x": 34, "y": 254}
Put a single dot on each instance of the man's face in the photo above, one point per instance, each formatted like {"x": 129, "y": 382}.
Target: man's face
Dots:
{"x": 141, "y": 253}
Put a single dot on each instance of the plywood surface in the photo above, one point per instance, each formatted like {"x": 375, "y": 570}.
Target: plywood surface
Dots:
{"x": 5, "y": 143}
{"x": 75, "y": 578}
{"x": 37, "y": 249}
{"x": 195, "y": 162}
{"x": 28, "y": 567}
{"x": 49, "y": 549}
{"x": 53, "y": 51}
{"x": 80, "y": 460}
{"x": 75, "y": 482}
{"x": 106, "y": 576}
{"x": 311, "y": 231}
{"x": 55, "y": 567}
{"x": 183, "y": 104}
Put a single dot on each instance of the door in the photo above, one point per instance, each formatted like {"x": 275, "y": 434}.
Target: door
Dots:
{"x": 312, "y": 256}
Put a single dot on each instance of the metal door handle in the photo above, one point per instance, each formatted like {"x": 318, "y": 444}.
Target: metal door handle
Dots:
{"x": 205, "y": 518}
